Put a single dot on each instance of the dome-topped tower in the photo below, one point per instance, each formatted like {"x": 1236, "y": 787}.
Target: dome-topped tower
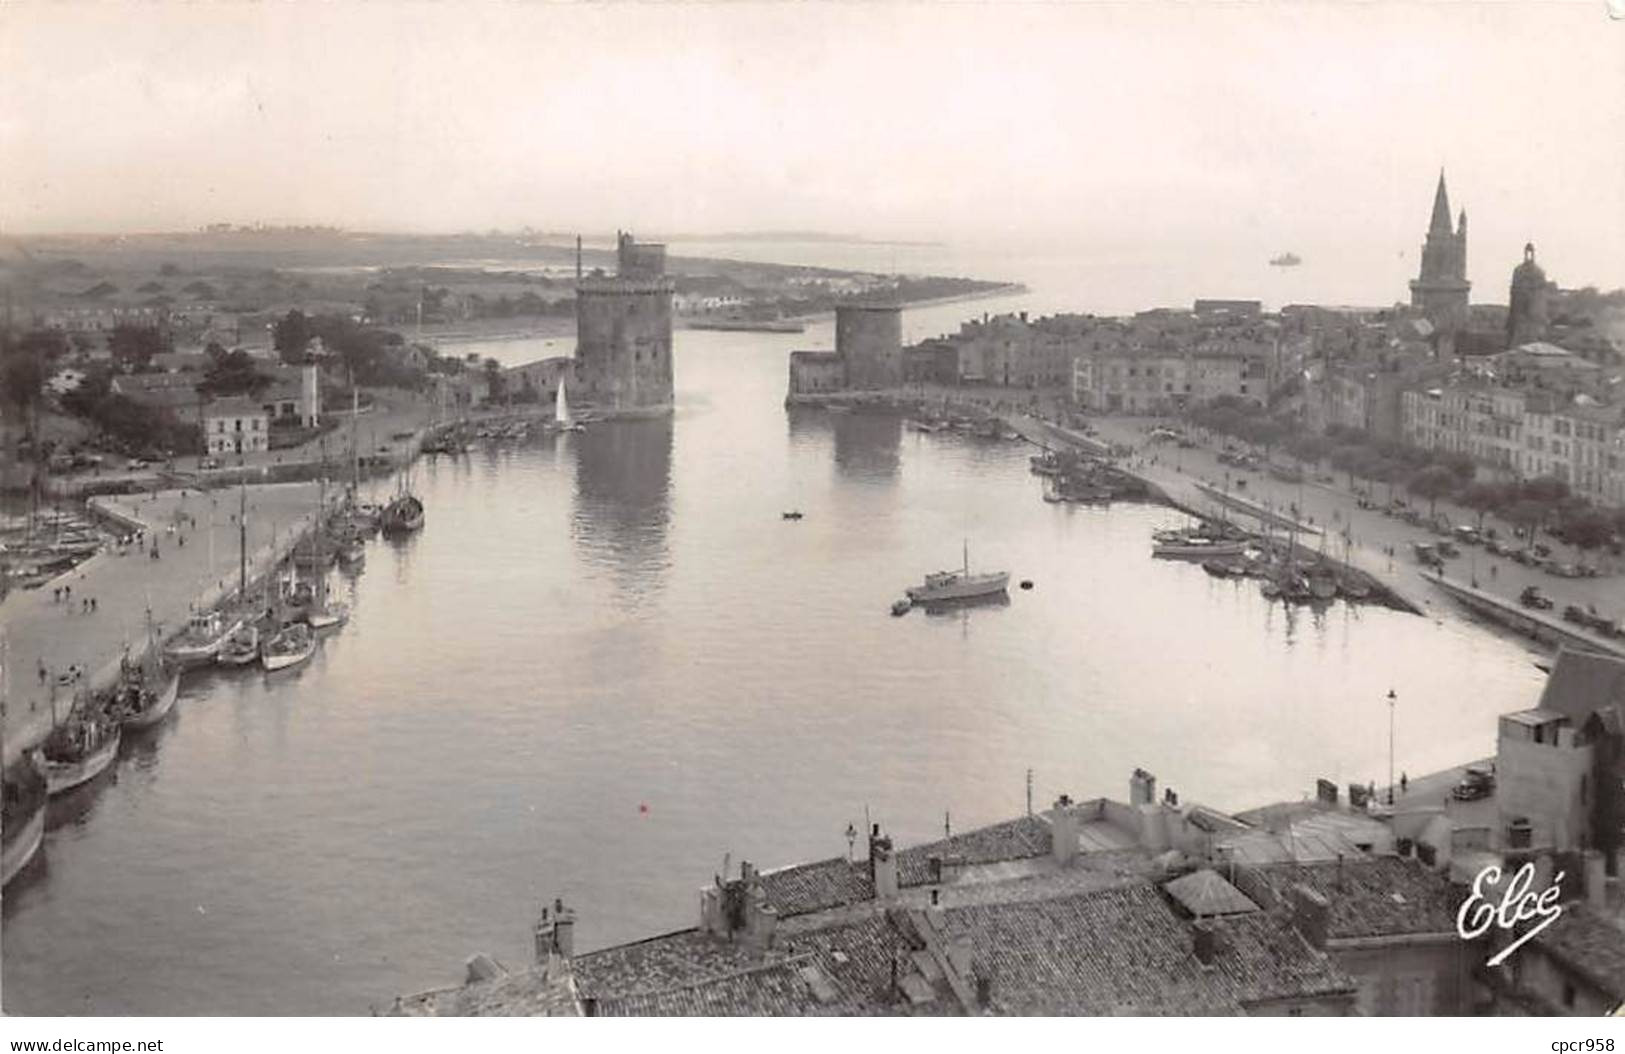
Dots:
{"x": 1526, "y": 305}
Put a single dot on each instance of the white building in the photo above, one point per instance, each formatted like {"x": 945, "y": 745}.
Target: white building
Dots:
{"x": 236, "y": 426}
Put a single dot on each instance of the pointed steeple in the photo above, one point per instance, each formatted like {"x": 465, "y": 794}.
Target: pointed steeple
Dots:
{"x": 1461, "y": 225}
{"x": 1441, "y": 209}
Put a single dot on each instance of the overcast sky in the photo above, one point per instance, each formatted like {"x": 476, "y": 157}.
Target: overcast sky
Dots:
{"x": 1105, "y": 122}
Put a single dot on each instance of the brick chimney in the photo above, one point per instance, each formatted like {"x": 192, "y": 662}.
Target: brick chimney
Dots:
{"x": 1311, "y": 915}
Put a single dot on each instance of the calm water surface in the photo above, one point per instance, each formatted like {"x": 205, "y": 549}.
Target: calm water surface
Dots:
{"x": 607, "y": 662}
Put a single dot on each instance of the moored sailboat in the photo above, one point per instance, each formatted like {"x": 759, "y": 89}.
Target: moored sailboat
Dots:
{"x": 562, "y": 419}
{"x": 940, "y": 586}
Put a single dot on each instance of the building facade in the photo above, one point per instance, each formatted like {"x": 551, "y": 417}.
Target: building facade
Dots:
{"x": 236, "y": 426}
{"x": 623, "y": 332}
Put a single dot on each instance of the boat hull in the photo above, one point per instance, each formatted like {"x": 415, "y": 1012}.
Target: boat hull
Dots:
{"x": 203, "y": 653}
{"x": 64, "y": 776}
{"x": 16, "y": 851}
{"x": 1192, "y": 552}
{"x": 160, "y": 708}
{"x": 963, "y": 589}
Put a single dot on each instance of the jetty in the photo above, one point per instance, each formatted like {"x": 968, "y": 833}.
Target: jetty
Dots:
{"x": 195, "y": 534}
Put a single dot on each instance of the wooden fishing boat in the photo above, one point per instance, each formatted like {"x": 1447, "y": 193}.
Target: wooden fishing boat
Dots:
{"x": 292, "y": 646}
{"x": 22, "y": 817}
{"x": 77, "y": 752}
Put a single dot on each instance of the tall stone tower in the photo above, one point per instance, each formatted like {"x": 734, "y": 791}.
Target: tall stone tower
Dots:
{"x": 869, "y": 342}
{"x": 623, "y": 332}
{"x": 1526, "y": 307}
{"x": 1440, "y": 289}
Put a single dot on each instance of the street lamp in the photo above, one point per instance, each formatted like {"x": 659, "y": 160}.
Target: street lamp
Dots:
{"x": 1392, "y": 698}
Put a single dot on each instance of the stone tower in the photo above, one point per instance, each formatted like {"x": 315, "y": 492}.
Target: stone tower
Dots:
{"x": 1440, "y": 289}
{"x": 623, "y": 332}
{"x": 1526, "y": 307}
{"x": 869, "y": 342}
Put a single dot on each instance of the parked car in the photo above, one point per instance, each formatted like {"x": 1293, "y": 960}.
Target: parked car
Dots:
{"x": 1532, "y": 597}
{"x": 209, "y": 462}
{"x": 1475, "y": 783}
{"x": 1447, "y": 549}
{"x": 1563, "y": 570}
{"x": 1467, "y": 536}
{"x": 1495, "y": 548}
{"x": 136, "y": 463}
{"x": 1577, "y": 615}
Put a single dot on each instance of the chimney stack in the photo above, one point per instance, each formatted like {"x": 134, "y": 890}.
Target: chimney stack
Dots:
{"x": 883, "y": 866}
{"x": 1142, "y": 788}
{"x": 564, "y": 930}
{"x": 1204, "y": 943}
{"x": 1064, "y": 831}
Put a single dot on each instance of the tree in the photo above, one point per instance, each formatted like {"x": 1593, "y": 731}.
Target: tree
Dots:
{"x": 134, "y": 346}
{"x": 291, "y": 335}
{"x": 1527, "y": 515}
{"x": 1432, "y": 483}
{"x": 1483, "y": 498}
{"x": 1350, "y": 458}
{"x": 1589, "y": 530}
{"x": 231, "y": 373}
{"x": 23, "y": 370}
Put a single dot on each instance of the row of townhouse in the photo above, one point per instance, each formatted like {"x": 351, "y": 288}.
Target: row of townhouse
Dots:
{"x": 1524, "y": 432}
{"x": 1125, "y": 381}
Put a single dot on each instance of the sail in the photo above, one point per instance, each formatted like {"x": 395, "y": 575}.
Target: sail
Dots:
{"x": 561, "y": 408}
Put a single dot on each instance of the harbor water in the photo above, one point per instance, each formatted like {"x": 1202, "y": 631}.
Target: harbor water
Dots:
{"x": 608, "y": 663}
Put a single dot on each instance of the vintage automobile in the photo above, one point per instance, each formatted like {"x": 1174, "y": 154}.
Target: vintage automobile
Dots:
{"x": 1532, "y": 597}
{"x": 1475, "y": 783}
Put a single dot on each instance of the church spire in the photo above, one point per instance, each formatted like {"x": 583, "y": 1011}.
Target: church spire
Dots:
{"x": 1441, "y": 209}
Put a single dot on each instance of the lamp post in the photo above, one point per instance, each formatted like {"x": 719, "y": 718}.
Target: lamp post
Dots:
{"x": 1392, "y": 698}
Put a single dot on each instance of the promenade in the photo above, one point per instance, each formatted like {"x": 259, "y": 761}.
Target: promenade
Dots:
{"x": 196, "y": 535}
{"x": 1377, "y": 544}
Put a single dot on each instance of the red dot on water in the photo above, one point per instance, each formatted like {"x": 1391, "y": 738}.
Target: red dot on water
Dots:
{"x": 642, "y": 807}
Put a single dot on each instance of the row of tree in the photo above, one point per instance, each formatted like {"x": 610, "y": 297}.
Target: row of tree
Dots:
{"x": 1431, "y": 475}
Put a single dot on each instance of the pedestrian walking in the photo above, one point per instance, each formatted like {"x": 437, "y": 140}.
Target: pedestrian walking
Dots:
{"x": 1404, "y": 783}
{"x": 92, "y": 605}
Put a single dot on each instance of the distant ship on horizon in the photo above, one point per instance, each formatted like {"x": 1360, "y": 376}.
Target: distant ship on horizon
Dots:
{"x": 1286, "y": 260}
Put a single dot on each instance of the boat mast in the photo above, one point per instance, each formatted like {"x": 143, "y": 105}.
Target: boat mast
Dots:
{"x": 967, "y": 558}
{"x": 242, "y": 541}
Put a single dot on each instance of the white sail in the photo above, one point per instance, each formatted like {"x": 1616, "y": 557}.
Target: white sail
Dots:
{"x": 561, "y": 407}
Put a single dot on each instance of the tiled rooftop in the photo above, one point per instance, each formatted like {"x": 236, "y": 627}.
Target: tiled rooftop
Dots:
{"x": 1124, "y": 951}
{"x": 523, "y": 994}
{"x": 1591, "y": 943}
{"x": 816, "y": 886}
{"x": 1017, "y": 839}
{"x": 1377, "y": 896}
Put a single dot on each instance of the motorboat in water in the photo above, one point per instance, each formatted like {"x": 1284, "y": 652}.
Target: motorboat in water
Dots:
{"x": 292, "y": 646}
{"x": 403, "y": 515}
{"x": 242, "y": 648}
{"x": 202, "y": 639}
{"x": 940, "y": 586}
